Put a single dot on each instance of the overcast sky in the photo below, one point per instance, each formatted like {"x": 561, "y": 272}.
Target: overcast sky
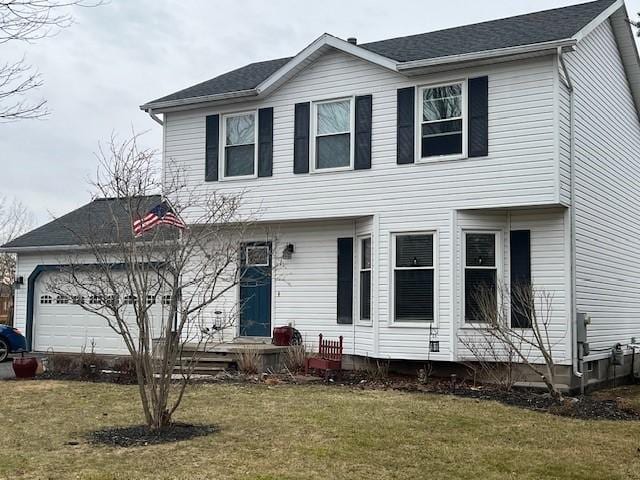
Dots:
{"x": 117, "y": 56}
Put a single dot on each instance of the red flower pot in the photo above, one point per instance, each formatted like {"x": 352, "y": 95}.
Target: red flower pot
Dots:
{"x": 25, "y": 367}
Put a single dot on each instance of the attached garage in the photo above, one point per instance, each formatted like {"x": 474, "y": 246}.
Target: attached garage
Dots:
{"x": 55, "y": 323}
{"x": 63, "y": 326}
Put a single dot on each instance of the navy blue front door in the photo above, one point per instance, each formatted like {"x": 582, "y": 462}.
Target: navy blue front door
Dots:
{"x": 255, "y": 290}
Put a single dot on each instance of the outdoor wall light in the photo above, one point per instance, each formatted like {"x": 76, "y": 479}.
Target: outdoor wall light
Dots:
{"x": 287, "y": 253}
{"x": 19, "y": 281}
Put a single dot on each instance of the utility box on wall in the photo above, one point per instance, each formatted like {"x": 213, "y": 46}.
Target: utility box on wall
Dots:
{"x": 582, "y": 321}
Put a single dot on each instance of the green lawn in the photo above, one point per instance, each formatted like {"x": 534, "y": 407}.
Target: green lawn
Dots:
{"x": 310, "y": 432}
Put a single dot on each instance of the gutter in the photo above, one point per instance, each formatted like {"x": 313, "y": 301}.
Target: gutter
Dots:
{"x": 576, "y": 363}
{"x": 155, "y": 117}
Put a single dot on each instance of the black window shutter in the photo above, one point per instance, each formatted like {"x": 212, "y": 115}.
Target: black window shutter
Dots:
{"x": 406, "y": 125}
{"x": 363, "y": 132}
{"x": 520, "y": 256}
{"x": 212, "y": 139}
{"x": 345, "y": 280}
{"x": 265, "y": 142}
{"x": 479, "y": 117}
{"x": 301, "y": 138}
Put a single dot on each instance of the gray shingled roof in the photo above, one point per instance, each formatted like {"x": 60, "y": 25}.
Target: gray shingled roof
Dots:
{"x": 529, "y": 29}
{"x": 93, "y": 220}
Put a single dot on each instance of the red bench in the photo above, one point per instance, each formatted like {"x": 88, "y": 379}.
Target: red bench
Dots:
{"x": 329, "y": 357}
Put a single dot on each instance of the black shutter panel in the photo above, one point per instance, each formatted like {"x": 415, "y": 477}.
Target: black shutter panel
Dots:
{"x": 479, "y": 117}
{"x": 301, "y": 138}
{"x": 521, "y": 300}
{"x": 345, "y": 280}
{"x": 406, "y": 125}
{"x": 363, "y": 132}
{"x": 265, "y": 142}
{"x": 212, "y": 139}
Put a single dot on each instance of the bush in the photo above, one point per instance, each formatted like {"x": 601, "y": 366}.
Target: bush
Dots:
{"x": 64, "y": 363}
{"x": 295, "y": 358}
{"x": 126, "y": 368}
{"x": 248, "y": 360}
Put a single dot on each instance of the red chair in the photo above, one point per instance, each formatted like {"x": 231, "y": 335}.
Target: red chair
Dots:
{"x": 329, "y": 357}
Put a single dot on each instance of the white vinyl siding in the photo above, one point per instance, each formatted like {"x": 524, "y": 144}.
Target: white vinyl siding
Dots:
{"x": 520, "y": 170}
{"x": 607, "y": 175}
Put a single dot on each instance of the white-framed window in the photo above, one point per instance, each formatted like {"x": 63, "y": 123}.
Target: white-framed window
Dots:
{"x": 256, "y": 255}
{"x": 481, "y": 264}
{"x": 442, "y": 123}
{"x": 332, "y": 128}
{"x": 166, "y": 300}
{"x": 364, "y": 278}
{"x": 414, "y": 277}
{"x": 130, "y": 299}
{"x": 95, "y": 300}
{"x": 239, "y": 153}
{"x": 46, "y": 299}
{"x": 151, "y": 299}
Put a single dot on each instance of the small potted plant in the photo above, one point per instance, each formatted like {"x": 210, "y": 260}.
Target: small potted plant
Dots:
{"x": 25, "y": 367}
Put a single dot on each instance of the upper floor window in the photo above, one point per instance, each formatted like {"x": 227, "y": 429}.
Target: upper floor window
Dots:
{"x": 239, "y": 156}
{"x": 333, "y": 122}
{"x": 442, "y": 120}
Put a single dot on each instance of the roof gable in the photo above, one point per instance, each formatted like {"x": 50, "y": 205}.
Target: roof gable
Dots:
{"x": 404, "y": 53}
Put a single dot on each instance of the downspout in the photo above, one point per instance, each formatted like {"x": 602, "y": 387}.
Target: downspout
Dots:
{"x": 155, "y": 117}
{"x": 576, "y": 362}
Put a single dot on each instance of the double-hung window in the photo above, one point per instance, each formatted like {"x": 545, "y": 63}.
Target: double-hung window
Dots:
{"x": 442, "y": 120}
{"x": 413, "y": 278}
{"x": 365, "y": 279}
{"x": 333, "y": 135}
{"x": 480, "y": 276}
{"x": 239, "y": 145}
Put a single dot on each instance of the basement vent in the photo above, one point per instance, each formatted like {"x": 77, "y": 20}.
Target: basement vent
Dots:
{"x": 434, "y": 346}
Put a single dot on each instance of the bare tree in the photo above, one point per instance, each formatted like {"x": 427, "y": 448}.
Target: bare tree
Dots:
{"x": 192, "y": 270}
{"x": 15, "y": 219}
{"x": 525, "y": 331}
{"x": 28, "y": 21}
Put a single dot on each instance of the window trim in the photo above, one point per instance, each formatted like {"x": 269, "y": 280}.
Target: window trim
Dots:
{"x": 465, "y": 122}
{"x": 359, "y": 269}
{"x": 256, "y": 247}
{"x": 223, "y": 144}
{"x": 436, "y": 283}
{"x": 498, "y": 268}
{"x": 313, "y": 135}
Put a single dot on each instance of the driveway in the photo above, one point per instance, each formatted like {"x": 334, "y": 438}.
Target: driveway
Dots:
{"x": 6, "y": 371}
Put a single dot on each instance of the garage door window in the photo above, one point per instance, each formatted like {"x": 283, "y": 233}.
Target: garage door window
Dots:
{"x": 62, "y": 299}
{"x": 46, "y": 299}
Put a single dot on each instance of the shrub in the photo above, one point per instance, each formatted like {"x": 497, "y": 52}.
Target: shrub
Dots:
{"x": 377, "y": 370}
{"x": 63, "y": 363}
{"x": 248, "y": 360}
{"x": 295, "y": 358}
{"x": 126, "y": 368}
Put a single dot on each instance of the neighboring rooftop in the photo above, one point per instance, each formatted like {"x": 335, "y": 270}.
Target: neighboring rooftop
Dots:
{"x": 529, "y": 29}
{"x": 92, "y": 221}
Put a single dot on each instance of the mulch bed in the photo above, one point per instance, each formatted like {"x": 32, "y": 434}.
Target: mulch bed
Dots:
{"x": 140, "y": 435}
{"x": 582, "y": 407}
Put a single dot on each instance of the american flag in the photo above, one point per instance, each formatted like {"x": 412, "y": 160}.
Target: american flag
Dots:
{"x": 161, "y": 214}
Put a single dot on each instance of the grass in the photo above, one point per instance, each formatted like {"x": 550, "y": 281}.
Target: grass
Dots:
{"x": 306, "y": 432}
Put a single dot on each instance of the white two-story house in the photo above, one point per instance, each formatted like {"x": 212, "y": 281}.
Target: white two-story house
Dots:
{"x": 404, "y": 174}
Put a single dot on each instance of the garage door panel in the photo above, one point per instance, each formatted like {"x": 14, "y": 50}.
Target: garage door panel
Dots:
{"x": 70, "y": 328}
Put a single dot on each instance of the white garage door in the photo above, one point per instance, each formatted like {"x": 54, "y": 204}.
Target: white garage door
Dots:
{"x": 64, "y": 327}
